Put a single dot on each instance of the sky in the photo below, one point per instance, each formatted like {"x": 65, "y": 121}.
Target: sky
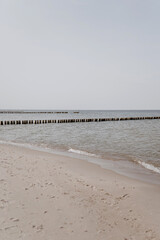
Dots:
{"x": 80, "y": 54}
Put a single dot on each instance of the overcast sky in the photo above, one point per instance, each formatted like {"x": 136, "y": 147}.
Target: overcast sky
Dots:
{"x": 79, "y": 54}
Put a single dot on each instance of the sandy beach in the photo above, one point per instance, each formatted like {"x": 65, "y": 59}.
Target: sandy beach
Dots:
{"x": 45, "y": 196}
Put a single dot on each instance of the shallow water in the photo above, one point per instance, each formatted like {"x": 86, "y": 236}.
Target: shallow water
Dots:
{"x": 127, "y": 141}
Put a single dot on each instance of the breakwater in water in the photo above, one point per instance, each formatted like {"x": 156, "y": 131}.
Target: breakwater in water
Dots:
{"x": 16, "y": 122}
{"x": 31, "y": 112}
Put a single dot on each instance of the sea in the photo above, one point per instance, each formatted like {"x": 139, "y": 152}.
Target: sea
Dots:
{"x": 131, "y": 148}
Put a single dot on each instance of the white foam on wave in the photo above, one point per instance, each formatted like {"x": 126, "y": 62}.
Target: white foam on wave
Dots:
{"x": 149, "y": 166}
{"x": 81, "y": 152}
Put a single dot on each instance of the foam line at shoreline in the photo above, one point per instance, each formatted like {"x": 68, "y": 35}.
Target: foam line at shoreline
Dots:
{"x": 149, "y": 166}
{"x": 139, "y": 172}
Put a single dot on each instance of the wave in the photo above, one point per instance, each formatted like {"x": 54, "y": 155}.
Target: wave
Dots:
{"x": 144, "y": 164}
{"x": 149, "y": 166}
{"x": 81, "y": 152}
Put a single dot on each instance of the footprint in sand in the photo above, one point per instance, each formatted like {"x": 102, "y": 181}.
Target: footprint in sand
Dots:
{"x": 39, "y": 228}
{"x": 65, "y": 193}
{"x": 52, "y": 196}
{"x": 2, "y": 180}
{"x": 14, "y": 219}
{"x": 123, "y": 197}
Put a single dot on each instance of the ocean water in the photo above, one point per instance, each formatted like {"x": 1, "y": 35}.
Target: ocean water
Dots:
{"x": 126, "y": 144}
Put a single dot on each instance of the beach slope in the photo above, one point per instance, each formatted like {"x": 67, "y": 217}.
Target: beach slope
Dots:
{"x": 45, "y": 196}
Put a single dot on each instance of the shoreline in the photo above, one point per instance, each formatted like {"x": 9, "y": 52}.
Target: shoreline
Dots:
{"x": 46, "y": 196}
{"x": 131, "y": 169}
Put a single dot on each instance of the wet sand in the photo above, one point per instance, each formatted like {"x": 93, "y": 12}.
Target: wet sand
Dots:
{"x": 46, "y": 196}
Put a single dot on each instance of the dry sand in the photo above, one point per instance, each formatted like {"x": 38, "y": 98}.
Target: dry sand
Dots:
{"x": 49, "y": 197}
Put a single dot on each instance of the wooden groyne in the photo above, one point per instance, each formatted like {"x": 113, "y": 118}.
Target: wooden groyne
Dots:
{"x": 17, "y": 122}
{"x": 32, "y": 112}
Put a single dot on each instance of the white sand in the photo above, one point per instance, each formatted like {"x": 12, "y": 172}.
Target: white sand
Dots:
{"x": 50, "y": 197}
